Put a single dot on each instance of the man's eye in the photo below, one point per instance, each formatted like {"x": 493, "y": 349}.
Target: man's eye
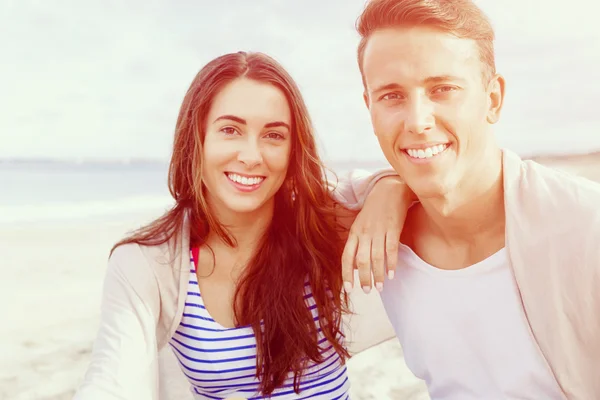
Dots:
{"x": 391, "y": 96}
{"x": 444, "y": 89}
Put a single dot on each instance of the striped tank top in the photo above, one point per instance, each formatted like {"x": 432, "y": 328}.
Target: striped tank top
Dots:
{"x": 221, "y": 363}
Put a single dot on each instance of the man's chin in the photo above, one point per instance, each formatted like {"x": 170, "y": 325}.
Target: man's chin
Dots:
{"x": 432, "y": 189}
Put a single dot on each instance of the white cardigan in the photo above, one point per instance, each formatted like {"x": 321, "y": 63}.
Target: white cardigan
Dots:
{"x": 142, "y": 304}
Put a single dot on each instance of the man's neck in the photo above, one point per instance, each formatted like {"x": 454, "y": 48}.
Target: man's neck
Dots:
{"x": 474, "y": 209}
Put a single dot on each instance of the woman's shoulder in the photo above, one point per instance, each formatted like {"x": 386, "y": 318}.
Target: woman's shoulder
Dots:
{"x": 155, "y": 247}
{"x": 155, "y": 275}
{"x": 132, "y": 268}
{"x": 157, "y": 259}
{"x": 127, "y": 253}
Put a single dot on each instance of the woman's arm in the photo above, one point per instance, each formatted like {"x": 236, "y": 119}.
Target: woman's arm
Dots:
{"x": 352, "y": 190}
{"x": 375, "y": 231}
{"x": 372, "y": 235}
{"x": 367, "y": 325}
{"x": 124, "y": 358}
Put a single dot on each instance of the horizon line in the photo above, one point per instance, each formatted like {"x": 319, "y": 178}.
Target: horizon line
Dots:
{"x": 156, "y": 160}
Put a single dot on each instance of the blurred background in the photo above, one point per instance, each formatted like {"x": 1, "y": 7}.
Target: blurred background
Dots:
{"x": 89, "y": 95}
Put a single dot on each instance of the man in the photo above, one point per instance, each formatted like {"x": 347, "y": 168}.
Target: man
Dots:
{"x": 497, "y": 289}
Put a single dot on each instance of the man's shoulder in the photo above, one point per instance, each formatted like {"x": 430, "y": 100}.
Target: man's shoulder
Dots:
{"x": 560, "y": 188}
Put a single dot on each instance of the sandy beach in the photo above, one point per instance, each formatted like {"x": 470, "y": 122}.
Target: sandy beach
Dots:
{"x": 49, "y": 298}
{"x": 49, "y": 295}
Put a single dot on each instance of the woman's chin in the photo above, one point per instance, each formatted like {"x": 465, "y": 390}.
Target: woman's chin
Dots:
{"x": 247, "y": 205}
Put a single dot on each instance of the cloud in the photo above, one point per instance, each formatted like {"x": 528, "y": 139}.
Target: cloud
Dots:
{"x": 106, "y": 78}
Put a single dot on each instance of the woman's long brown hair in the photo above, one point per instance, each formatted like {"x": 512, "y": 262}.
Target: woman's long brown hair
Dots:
{"x": 301, "y": 243}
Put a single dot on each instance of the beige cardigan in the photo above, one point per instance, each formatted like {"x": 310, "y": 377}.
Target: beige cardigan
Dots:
{"x": 142, "y": 303}
{"x": 553, "y": 242}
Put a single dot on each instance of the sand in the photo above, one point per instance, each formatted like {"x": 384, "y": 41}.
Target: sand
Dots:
{"x": 49, "y": 300}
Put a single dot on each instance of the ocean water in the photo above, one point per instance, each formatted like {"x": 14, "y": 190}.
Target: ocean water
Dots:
{"x": 59, "y": 191}
{"x": 54, "y": 191}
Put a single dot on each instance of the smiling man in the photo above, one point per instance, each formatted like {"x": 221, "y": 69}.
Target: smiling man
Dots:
{"x": 497, "y": 290}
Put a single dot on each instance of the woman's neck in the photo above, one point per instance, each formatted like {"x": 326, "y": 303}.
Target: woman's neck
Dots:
{"x": 245, "y": 228}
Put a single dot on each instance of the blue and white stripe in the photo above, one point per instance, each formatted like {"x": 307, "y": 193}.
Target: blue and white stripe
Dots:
{"x": 221, "y": 363}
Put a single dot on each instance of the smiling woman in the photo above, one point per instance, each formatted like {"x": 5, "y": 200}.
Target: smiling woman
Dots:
{"x": 242, "y": 277}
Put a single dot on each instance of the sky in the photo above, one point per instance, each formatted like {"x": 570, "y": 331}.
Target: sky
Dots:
{"x": 104, "y": 79}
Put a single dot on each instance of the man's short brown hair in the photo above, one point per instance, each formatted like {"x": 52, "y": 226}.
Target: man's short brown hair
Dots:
{"x": 461, "y": 18}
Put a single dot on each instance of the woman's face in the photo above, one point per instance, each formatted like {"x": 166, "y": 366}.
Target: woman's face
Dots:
{"x": 247, "y": 146}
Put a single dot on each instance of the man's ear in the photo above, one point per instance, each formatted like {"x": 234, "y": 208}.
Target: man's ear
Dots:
{"x": 496, "y": 98}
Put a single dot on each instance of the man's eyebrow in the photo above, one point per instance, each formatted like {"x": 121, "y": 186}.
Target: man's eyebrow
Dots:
{"x": 388, "y": 86}
{"x": 442, "y": 78}
{"x": 427, "y": 81}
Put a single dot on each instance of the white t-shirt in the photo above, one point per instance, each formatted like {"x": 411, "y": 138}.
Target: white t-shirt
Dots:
{"x": 464, "y": 331}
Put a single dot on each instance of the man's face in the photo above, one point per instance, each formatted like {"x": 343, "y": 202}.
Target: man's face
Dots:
{"x": 429, "y": 107}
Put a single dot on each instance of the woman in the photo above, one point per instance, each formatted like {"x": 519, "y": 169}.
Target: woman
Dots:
{"x": 241, "y": 277}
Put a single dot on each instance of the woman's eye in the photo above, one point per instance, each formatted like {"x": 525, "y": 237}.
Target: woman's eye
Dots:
{"x": 275, "y": 135}
{"x": 229, "y": 131}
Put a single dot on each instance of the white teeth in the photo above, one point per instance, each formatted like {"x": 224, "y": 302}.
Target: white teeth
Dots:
{"x": 428, "y": 152}
{"x": 255, "y": 180}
